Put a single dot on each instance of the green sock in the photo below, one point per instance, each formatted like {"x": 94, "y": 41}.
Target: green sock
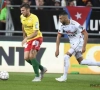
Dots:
{"x": 40, "y": 66}
{"x": 35, "y": 65}
{"x": 29, "y": 61}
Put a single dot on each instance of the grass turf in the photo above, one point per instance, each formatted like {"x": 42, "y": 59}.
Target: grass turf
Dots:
{"x": 23, "y": 81}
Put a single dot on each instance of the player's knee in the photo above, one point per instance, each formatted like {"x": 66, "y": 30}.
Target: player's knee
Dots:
{"x": 26, "y": 58}
{"x": 69, "y": 54}
{"x": 32, "y": 56}
{"x": 66, "y": 57}
{"x": 78, "y": 55}
{"x": 26, "y": 55}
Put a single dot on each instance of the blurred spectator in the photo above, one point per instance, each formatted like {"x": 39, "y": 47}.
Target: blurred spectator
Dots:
{"x": 4, "y": 12}
{"x": 40, "y": 3}
{"x": 95, "y": 3}
{"x": 37, "y": 2}
{"x": 71, "y": 3}
{"x": 19, "y": 2}
{"x": 3, "y": 16}
{"x": 63, "y": 2}
{"x": 26, "y": 1}
{"x": 81, "y": 2}
{"x": 2, "y": 5}
{"x": 89, "y": 4}
{"x": 57, "y": 3}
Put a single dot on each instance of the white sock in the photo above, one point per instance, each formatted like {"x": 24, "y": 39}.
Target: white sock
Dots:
{"x": 90, "y": 62}
{"x": 66, "y": 65}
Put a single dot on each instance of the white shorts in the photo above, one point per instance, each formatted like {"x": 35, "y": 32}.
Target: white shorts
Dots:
{"x": 76, "y": 47}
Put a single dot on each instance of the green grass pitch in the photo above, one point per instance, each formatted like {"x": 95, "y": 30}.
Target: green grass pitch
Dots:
{"x": 23, "y": 81}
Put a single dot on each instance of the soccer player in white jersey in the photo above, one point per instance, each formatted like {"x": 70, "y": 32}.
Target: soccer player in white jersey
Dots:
{"x": 78, "y": 38}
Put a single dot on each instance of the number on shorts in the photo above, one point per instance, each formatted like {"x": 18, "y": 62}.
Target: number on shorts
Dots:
{"x": 36, "y": 43}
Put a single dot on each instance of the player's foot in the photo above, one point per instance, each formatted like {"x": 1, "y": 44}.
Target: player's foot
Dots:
{"x": 36, "y": 79}
{"x": 43, "y": 72}
{"x": 61, "y": 79}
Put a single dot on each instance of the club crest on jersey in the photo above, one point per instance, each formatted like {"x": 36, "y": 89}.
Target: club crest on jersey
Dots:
{"x": 30, "y": 20}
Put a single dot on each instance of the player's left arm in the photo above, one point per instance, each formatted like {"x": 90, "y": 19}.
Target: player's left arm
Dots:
{"x": 35, "y": 28}
{"x": 33, "y": 35}
{"x": 84, "y": 32}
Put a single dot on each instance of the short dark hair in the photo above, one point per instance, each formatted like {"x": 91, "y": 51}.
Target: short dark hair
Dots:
{"x": 26, "y": 5}
{"x": 63, "y": 13}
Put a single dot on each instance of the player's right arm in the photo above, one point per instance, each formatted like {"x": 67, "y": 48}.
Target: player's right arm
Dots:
{"x": 57, "y": 44}
{"x": 58, "y": 41}
{"x": 24, "y": 34}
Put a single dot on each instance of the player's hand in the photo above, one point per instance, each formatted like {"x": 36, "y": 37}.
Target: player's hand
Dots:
{"x": 24, "y": 41}
{"x": 57, "y": 53}
{"x": 83, "y": 49}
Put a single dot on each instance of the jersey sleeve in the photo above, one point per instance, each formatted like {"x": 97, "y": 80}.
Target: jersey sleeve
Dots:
{"x": 60, "y": 29}
{"x": 36, "y": 23}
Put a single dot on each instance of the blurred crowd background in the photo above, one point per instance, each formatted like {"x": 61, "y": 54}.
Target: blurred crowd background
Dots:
{"x": 89, "y": 3}
{"x": 93, "y": 3}
{"x": 57, "y": 3}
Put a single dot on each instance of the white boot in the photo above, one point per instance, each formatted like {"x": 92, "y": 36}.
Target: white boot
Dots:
{"x": 36, "y": 79}
{"x": 61, "y": 79}
{"x": 43, "y": 72}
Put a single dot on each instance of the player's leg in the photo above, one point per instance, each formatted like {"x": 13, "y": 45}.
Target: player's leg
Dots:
{"x": 28, "y": 48}
{"x": 89, "y": 62}
{"x": 66, "y": 65}
{"x": 82, "y": 61}
{"x": 35, "y": 65}
{"x": 26, "y": 53}
{"x": 43, "y": 69}
{"x": 36, "y": 46}
{"x": 33, "y": 53}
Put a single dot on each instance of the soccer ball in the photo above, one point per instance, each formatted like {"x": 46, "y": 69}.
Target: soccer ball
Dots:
{"x": 4, "y": 75}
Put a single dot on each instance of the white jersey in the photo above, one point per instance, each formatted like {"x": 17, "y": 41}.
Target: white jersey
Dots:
{"x": 73, "y": 31}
